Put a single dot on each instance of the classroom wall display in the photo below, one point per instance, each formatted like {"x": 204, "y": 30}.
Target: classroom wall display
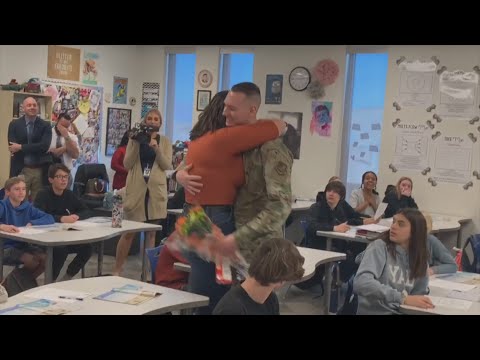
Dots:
{"x": 321, "y": 122}
{"x": 412, "y": 145}
{"x": 118, "y": 121}
{"x": 83, "y": 104}
{"x": 63, "y": 63}
{"x": 120, "y": 90}
{"x": 295, "y": 119}
{"x": 458, "y": 95}
{"x": 150, "y": 96}
{"x": 452, "y": 159}
{"x": 90, "y": 68}
{"x": 274, "y": 89}
{"x": 417, "y": 82}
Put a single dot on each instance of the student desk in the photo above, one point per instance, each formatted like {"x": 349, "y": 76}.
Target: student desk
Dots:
{"x": 170, "y": 299}
{"x": 60, "y": 237}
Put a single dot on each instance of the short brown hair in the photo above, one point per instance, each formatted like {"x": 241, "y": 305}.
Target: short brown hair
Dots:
{"x": 338, "y": 187}
{"x": 13, "y": 181}
{"x": 52, "y": 170}
{"x": 276, "y": 260}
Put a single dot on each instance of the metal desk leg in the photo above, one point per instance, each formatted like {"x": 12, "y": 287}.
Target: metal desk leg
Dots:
{"x": 100, "y": 258}
{"x": 1, "y": 259}
{"x": 49, "y": 266}
{"x": 144, "y": 276}
{"x": 328, "y": 286}
{"x": 329, "y": 244}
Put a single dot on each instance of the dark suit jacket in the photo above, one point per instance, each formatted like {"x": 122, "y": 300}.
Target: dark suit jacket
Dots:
{"x": 41, "y": 139}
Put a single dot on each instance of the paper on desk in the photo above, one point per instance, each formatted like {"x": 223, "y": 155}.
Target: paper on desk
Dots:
{"x": 374, "y": 228}
{"x": 472, "y": 295}
{"x": 456, "y": 304}
{"x": 380, "y": 210}
{"x": 86, "y": 224}
{"x": 99, "y": 219}
{"x": 352, "y": 232}
{"x": 450, "y": 285}
{"x": 54, "y": 295}
{"x": 32, "y": 231}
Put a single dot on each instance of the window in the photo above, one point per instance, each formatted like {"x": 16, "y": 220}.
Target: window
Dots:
{"x": 364, "y": 103}
{"x": 234, "y": 69}
{"x": 180, "y": 82}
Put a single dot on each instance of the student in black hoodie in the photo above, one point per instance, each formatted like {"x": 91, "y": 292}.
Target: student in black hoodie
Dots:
{"x": 401, "y": 198}
{"x": 65, "y": 207}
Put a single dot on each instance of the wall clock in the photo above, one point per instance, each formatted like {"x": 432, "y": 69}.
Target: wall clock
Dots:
{"x": 299, "y": 78}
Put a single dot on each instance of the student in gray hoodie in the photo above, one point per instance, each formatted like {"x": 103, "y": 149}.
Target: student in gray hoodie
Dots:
{"x": 394, "y": 271}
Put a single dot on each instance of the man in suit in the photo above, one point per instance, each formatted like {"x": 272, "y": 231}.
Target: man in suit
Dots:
{"x": 29, "y": 139}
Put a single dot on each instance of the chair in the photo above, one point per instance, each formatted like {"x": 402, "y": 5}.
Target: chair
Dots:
{"x": 153, "y": 255}
{"x": 84, "y": 173}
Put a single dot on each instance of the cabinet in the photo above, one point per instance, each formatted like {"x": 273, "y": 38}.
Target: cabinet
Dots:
{"x": 11, "y": 108}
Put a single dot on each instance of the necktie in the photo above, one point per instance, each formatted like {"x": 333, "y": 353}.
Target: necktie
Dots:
{"x": 29, "y": 131}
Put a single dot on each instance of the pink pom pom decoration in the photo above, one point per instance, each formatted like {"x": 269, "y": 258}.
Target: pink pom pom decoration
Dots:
{"x": 326, "y": 72}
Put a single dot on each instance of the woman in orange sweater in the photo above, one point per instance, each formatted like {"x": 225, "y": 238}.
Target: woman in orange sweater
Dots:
{"x": 215, "y": 153}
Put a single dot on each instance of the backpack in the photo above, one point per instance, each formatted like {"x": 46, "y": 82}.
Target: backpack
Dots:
{"x": 350, "y": 305}
{"x": 20, "y": 279}
{"x": 471, "y": 255}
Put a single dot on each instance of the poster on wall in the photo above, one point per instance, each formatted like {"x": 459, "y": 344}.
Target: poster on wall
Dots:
{"x": 150, "y": 96}
{"x": 416, "y": 83}
{"x": 294, "y": 119}
{"x": 412, "y": 143}
{"x": 273, "y": 91}
{"x": 82, "y": 103}
{"x": 458, "y": 94}
{"x": 90, "y": 68}
{"x": 63, "y": 63}
{"x": 120, "y": 86}
{"x": 118, "y": 121}
{"x": 321, "y": 122}
{"x": 452, "y": 161}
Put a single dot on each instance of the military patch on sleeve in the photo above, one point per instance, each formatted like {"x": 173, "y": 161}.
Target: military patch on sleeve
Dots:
{"x": 281, "y": 168}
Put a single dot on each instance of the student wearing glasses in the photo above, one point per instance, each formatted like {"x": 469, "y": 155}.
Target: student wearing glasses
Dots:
{"x": 65, "y": 207}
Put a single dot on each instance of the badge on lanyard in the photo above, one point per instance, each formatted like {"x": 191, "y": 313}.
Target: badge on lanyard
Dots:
{"x": 146, "y": 172}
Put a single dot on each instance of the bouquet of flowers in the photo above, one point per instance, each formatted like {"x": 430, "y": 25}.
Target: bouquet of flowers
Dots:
{"x": 197, "y": 232}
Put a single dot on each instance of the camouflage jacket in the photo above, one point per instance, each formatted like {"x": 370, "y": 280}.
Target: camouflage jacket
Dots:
{"x": 264, "y": 202}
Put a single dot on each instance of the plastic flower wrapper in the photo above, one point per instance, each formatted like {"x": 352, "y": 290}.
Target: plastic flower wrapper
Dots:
{"x": 196, "y": 232}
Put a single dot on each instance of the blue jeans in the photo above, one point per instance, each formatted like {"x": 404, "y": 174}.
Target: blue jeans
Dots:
{"x": 202, "y": 278}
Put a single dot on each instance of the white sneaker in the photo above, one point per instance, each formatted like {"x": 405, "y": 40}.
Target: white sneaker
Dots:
{"x": 3, "y": 295}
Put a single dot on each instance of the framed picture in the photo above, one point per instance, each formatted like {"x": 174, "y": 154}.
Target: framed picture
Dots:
{"x": 274, "y": 89}
{"x": 203, "y": 98}
{"x": 118, "y": 121}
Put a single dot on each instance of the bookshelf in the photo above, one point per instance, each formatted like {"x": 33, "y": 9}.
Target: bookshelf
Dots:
{"x": 10, "y": 109}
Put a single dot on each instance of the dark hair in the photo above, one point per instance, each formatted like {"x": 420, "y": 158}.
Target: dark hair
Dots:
{"x": 276, "y": 260}
{"x": 363, "y": 179}
{"x": 65, "y": 116}
{"x": 417, "y": 246}
{"x": 250, "y": 90}
{"x": 52, "y": 170}
{"x": 211, "y": 119}
{"x": 338, "y": 187}
{"x": 124, "y": 140}
{"x": 389, "y": 189}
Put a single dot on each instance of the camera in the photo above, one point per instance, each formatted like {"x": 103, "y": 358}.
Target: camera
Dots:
{"x": 143, "y": 133}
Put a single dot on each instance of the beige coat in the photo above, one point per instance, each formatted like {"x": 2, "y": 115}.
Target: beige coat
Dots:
{"x": 134, "y": 201}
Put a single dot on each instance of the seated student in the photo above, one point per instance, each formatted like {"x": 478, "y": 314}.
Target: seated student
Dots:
{"x": 273, "y": 263}
{"x": 321, "y": 194}
{"x": 440, "y": 261}
{"x": 394, "y": 271}
{"x": 366, "y": 200}
{"x": 335, "y": 214}
{"x": 15, "y": 211}
{"x": 389, "y": 189}
{"x": 165, "y": 273}
{"x": 401, "y": 198}
{"x": 65, "y": 207}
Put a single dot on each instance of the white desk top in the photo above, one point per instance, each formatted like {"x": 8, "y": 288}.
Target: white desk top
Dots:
{"x": 302, "y": 205}
{"x": 169, "y": 300}
{"x": 349, "y": 235}
{"x": 314, "y": 258}
{"x": 440, "y": 310}
{"x": 440, "y": 222}
{"x": 60, "y": 237}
